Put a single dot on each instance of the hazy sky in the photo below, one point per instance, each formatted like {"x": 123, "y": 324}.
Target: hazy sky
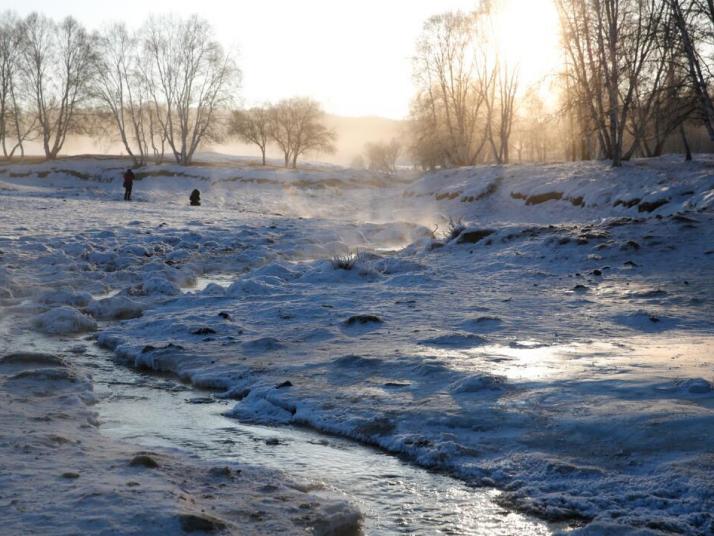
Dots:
{"x": 351, "y": 55}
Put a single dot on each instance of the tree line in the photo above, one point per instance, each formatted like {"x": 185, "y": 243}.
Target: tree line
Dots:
{"x": 163, "y": 89}
{"x": 382, "y": 156}
{"x": 294, "y": 125}
{"x": 465, "y": 92}
{"x": 635, "y": 74}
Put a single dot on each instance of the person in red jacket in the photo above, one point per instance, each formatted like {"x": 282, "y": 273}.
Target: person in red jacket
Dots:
{"x": 128, "y": 183}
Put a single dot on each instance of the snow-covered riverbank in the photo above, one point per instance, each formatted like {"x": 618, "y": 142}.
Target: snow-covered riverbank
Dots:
{"x": 559, "y": 347}
{"x": 61, "y": 476}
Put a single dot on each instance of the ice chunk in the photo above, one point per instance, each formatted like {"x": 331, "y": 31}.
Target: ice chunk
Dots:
{"x": 115, "y": 308}
{"x": 695, "y": 386}
{"x": 159, "y": 285}
{"x": 478, "y": 382}
{"x": 482, "y": 324}
{"x": 455, "y": 340}
{"x": 66, "y": 297}
{"x": 64, "y": 320}
{"x": 645, "y": 321}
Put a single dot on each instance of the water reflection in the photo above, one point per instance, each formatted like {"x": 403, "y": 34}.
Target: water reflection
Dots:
{"x": 663, "y": 356}
{"x": 524, "y": 359}
{"x": 396, "y": 497}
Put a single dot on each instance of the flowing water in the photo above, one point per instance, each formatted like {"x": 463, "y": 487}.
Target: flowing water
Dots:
{"x": 396, "y": 497}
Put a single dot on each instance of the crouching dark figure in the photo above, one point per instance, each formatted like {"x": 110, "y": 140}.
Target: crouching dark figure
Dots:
{"x": 195, "y": 198}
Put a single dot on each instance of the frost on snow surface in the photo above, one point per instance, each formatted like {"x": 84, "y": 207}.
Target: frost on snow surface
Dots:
{"x": 556, "y": 345}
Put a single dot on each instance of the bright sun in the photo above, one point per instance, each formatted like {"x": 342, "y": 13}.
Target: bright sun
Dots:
{"x": 528, "y": 35}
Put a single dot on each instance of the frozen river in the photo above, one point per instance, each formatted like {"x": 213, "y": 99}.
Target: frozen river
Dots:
{"x": 555, "y": 355}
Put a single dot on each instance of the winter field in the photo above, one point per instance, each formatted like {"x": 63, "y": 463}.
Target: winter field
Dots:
{"x": 557, "y": 345}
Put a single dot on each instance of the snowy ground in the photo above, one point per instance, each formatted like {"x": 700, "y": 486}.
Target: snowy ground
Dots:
{"x": 60, "y": 476}
{"x": 558, "y": 348}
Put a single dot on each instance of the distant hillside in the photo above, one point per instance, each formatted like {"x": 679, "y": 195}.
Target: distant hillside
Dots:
{"x": 354, "y": 132}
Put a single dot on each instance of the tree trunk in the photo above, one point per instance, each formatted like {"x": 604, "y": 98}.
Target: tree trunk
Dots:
{"x": 685, "y": 142}
{"x": 2, "y": 130}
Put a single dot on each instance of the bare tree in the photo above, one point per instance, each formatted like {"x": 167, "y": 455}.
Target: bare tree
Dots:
{"x": 282, "y": 128}
{"x": 663, "y": 100}
{"x": 689, "y": 17}
{"x": 57, "y": 61}
{"x": 500, "y": 109}
{"x": 383, "y": 156}
{"x": 536, "y": 131}
{"x": 297, "y": 127}
{"x": 190, "y": 80}
{"x": 14, "y": 125}
{"x": 609, "y": 43}
{"x": 450, "y": 97}
{"x": 465, "y": 96}
{"x": 424, "y": 135}
{"x": 121, "y": 88}
{"x": 252, "y": 126}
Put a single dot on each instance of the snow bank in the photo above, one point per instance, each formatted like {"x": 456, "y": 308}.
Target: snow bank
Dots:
{"x": 532, "y": 192}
